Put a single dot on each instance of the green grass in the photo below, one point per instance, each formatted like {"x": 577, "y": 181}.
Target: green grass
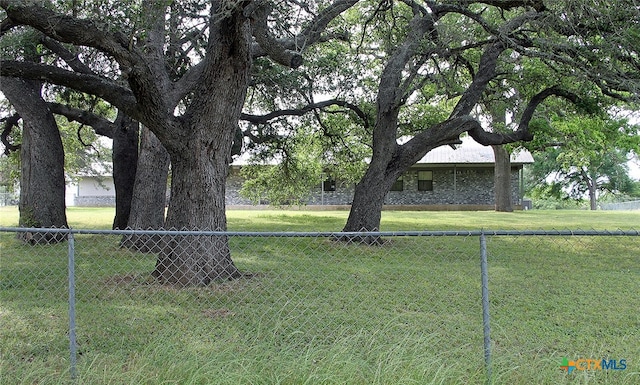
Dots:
{"x": 283, "y": 220}
{"x": 320, "y": 312}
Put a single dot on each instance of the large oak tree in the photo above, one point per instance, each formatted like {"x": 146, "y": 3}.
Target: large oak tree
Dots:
{"x": 456, "y": 50}
{"x": 42, "y": 180}
{"x": 436, "y": 70}
{"x": 124, "y": 155}
{"x": 192, "y": 109}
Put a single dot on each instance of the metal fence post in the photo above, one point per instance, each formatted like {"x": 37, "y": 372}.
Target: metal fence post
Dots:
{"x": 72, "y": 307}
{"x": 485, "y": 304}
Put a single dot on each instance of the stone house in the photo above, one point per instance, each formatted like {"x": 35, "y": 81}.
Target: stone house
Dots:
{"x": 445, "y": 179}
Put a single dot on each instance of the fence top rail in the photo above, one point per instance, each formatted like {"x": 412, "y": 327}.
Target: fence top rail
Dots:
{"x": 333, "y": 234}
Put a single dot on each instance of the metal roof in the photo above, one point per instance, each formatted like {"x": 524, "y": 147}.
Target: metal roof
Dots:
{"x": 471, "y": 152}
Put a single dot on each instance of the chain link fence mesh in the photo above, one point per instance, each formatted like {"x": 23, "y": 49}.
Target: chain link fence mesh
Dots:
{"x": 632, "y": 205}
{"x": 559, "y": 296}
{"x": 312, "y": 308}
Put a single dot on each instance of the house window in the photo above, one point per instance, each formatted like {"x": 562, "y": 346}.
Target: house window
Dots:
{"x": 398, "y": 185}
{"x": 425, "y": 180}
{"x": 329, "y": 185}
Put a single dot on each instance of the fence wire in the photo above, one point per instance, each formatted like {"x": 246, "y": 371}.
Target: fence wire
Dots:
{"x": 316, "y": 307}
{"x": 632, "y": 205}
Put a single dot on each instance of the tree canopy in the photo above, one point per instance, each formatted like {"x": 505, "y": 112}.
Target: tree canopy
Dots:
{"x": 428, "y": 70}
{"x": 183, "y": 70}
{"x": 578, "y": 156}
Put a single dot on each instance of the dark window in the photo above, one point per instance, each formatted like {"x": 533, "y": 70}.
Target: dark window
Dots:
{"x": 329, "y": 185}
{"x": 398, "y": 185}
{"x": 425, "y": 180}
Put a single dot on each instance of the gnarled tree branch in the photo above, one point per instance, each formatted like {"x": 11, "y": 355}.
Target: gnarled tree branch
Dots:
{"x": 270, "y": 45}
{"x": 69, "y": 57}
{"x": 69, "y": 29}
{"x": 264, "y": 119}
{"x": 9, "y": 123}
{"x": 100, "y": 125}
{"x": 107, "y": 89}
{"x": 522, "y": 133}
{"x": 312, "y": 34}
{"x": 135, "y": 67}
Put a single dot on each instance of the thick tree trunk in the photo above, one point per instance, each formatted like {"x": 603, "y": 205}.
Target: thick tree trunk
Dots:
{"x": 42, "y": 183}
{"x": 149, "y": 193}
{"x": 197, "y": 203}
{"x": 368, "y": 200}
{"x": 593, "y": 197}
{"x": 383, "y": 171}
{"x": 592, "y": 187}
{"x": 125, "y": 160}
{"x": 502, "y": 179}
{"x": 200, "y": 164}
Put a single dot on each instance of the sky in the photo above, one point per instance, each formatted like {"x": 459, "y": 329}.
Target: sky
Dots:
{"x": 634, "y": 168}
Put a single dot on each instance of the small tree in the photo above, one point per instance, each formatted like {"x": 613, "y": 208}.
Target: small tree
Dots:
{"x": 307, "y": 152}
{"x": 589, "y": 156}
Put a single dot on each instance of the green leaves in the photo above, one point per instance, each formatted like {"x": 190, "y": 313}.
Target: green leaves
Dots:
{"x": 590, "y": 154}
{"x": 290, "y": 181}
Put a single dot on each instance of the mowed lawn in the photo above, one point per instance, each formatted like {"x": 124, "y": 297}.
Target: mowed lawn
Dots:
{"x": 316, "y": 311}
{"x": 301, "y": 220}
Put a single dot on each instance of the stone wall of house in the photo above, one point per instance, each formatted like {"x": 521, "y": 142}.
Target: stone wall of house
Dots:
{"x": 472, "y": 186}
{"x": 95, "y": 201}
{"x": 234, "y": 184}
{"x": 343, "y": 195}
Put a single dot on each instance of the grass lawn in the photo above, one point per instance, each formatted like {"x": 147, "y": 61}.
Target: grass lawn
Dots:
{"x": 320, "y": 312}
{"x": 287, "y": 220}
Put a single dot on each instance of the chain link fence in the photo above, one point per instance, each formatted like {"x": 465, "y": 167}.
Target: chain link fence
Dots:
{"x": 631, "y": 205}
{"x": 8, "y": 199}
{"x": 408, "y": 307}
